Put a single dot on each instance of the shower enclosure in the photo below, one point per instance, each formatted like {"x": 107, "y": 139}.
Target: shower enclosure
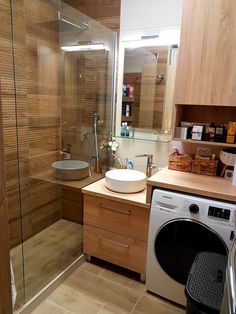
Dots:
{"x": 62, "y": 79}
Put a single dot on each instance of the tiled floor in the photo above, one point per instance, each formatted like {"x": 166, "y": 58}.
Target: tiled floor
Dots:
{"x": 46, "y": 254}
{"x": 98, "y": 288}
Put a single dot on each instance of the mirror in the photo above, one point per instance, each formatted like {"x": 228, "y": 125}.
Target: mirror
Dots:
{"x": 148, "y": 87}
{"x": 146, "y": 100}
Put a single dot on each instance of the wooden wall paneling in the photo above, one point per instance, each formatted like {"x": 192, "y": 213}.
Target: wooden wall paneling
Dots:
{"x": 206, "y": 67}
{"x": 84, "y": 91}
{"x": 5, "y": 276}
{"x": 107, "y": 12}
{"x": 72, "y": 204}
{"x": 43, "y": 95}
{"x": 216, "y": 114}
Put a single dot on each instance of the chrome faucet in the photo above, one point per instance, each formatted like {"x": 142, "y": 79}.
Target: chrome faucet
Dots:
{"x": 150, "y": 164}
{"x": 66, "y": 152}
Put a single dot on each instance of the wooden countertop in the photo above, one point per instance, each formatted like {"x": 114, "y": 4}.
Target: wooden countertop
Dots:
{"x": 209, "y": 186}
{"x": 98, "y": 189}
{"x": 77, "y": 184}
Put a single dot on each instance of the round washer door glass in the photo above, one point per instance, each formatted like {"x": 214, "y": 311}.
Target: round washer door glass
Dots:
{"x": 178, "y": 242}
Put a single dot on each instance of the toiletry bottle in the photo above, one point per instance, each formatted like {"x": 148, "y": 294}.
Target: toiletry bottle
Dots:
{"x": 219, "y": 133}
{"x": 129, "y": 164}
{"x": 127, "y": 90}
{"x": 212, "y": 132}
{"x": 131, "y": 132}
{"x": 124, "y": 90}
{"x": 126, "y": 130}
{"x": 234, "y": 176}
{"x": 127, "y": 110}
{"x": 123, "y": 129}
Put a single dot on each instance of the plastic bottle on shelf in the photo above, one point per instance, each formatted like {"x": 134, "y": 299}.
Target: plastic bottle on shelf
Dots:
{"x": 124, "y": 90}
{"x": 123, "y": 131}
{"x": 131, "y": 132}
{"x": 127, "y": 110}
{"x": 127, "y": 90}
{"x": 127, "y": 131}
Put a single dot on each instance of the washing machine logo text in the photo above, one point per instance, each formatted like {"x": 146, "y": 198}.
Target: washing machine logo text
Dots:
{"x": 169, "y": 197}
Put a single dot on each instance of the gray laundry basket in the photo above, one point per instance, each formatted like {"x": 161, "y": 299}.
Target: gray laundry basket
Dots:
{"x": 205, "y": 285}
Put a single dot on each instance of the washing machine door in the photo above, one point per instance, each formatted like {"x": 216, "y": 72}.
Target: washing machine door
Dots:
{"x": 177, "y": 243}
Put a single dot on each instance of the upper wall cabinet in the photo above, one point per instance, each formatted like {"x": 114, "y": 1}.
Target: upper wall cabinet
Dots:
{"x": 206, "y": 70}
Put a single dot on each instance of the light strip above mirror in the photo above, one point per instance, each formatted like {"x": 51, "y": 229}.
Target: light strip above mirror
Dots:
{"x": 166, "y": 37}
{"x": 84, "y": 47}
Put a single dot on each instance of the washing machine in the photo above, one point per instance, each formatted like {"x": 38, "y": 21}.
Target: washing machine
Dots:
{"x": 182, "y": 225}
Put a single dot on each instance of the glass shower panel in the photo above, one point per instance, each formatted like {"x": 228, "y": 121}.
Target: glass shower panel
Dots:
{"x": 63, "y": 110}
{"x": 10, "y": 144}
{"x": 87, "y": 89}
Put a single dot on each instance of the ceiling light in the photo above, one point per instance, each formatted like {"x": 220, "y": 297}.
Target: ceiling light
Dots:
{"x": 84, "y": 47}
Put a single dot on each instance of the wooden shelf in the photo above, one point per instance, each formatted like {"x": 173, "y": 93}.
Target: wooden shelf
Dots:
{"x": 205, "y": 143}
{"x": 127, "y": 99}
{"x": 128, "y": 119}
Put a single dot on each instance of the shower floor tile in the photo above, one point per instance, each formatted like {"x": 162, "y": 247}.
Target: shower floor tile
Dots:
{"x": 104, "y": 289}
{"x": 45, "y": 255}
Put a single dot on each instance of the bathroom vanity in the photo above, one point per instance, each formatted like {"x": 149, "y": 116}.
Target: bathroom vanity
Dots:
{"x": 186, "y": 182}
{"x": 116, "y": 226}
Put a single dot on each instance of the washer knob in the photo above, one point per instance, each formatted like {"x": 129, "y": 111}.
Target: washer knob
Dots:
{"x": 193, "y": 208}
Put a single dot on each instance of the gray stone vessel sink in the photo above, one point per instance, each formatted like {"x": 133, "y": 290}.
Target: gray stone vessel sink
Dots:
{"x": 70, "y": 169}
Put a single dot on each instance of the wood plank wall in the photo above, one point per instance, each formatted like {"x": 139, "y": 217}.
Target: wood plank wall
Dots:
{"x": 92, "y": 95}
{"x": 5, "y": 276}
{"x": 36, "y": 140}
{"x": 34, "y": 144}
{"x": 107, "y": 12}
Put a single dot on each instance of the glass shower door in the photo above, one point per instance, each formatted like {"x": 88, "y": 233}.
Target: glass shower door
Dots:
{"x": 58, "y": 94}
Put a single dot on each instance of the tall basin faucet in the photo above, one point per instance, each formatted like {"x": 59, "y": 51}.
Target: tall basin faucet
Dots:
{"x": 150, "y": 165}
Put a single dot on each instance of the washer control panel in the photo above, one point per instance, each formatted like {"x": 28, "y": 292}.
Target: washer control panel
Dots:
{"x": 219, "y": 212}
{"x": 196, "y": 207}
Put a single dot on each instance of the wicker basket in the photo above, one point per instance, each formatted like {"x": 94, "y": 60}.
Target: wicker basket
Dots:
{"x": 180, "y": 162}
{"x": 204, "y": 166}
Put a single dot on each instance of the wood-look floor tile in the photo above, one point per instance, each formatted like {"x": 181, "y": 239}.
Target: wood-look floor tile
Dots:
{"x": 73, "y": 300}
{"x": 151, "y": 306}
{"x": 111, "y": 309}
{"x": 124, "y": 281}
{"x": 103, "y": 289}
{"x": 45, "y": 255}
{"x": 92, "y": 268}
{"x": 48, "y": 307}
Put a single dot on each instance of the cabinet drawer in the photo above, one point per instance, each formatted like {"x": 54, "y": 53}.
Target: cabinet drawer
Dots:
{"x": 125, "y": 219}
{"x": 115, "y": 248}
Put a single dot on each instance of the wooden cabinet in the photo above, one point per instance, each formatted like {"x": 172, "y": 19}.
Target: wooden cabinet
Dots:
{"x": 206, "y": 71}
{"x": 116, "y": 231}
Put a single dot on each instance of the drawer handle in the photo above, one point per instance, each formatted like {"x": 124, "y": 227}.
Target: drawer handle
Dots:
{"x": 114, "y": 242}
{"x": 120, "y": 211}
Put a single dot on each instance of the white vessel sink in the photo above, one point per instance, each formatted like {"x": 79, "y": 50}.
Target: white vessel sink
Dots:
{"x": 125, "y": 180}
{"x": 70, "y": 169}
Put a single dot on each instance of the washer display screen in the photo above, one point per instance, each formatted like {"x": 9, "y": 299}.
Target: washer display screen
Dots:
{"x": 219, "y": 212}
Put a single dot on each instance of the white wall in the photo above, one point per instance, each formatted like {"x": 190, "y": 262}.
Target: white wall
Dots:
{"x": 145, "y": 17}
{"x": 148, "y": 16}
